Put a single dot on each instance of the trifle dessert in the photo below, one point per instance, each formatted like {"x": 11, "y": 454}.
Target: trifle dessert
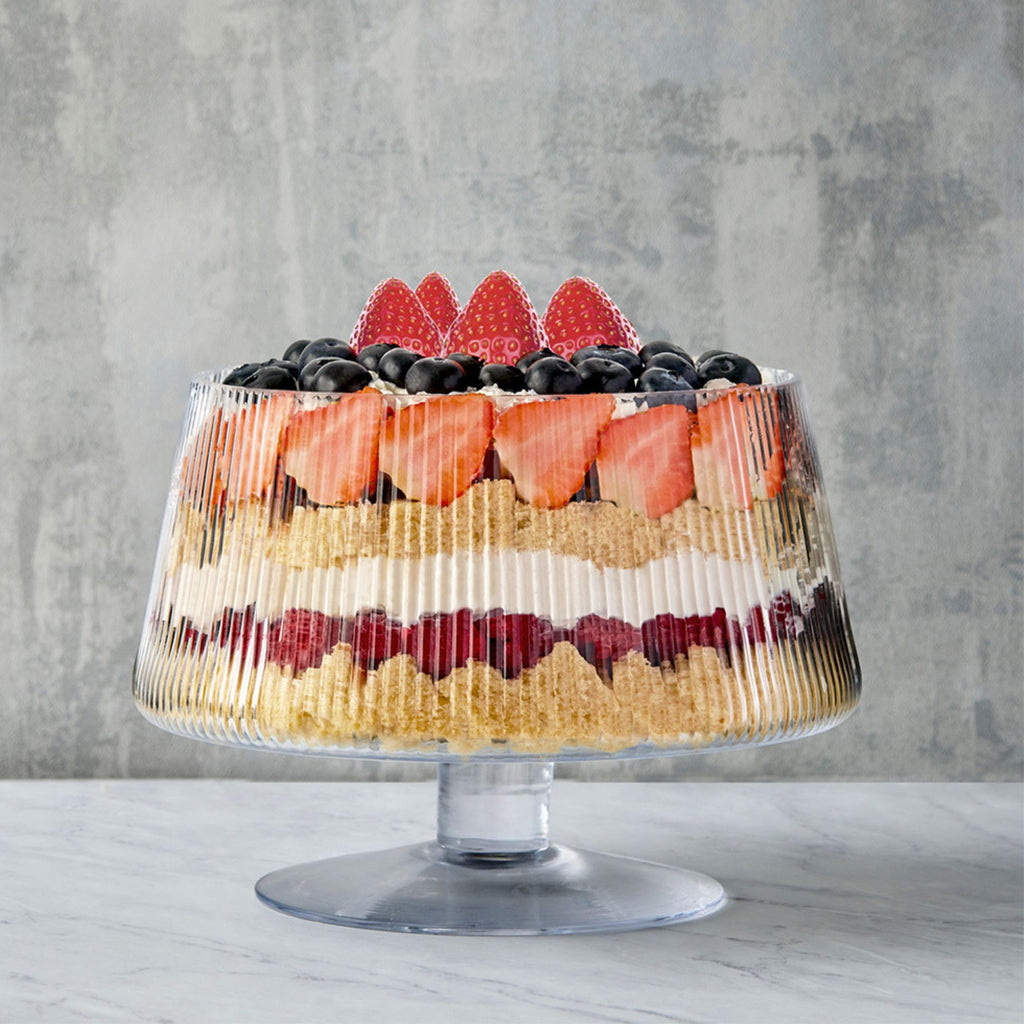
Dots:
{"x": 482, "y": 531}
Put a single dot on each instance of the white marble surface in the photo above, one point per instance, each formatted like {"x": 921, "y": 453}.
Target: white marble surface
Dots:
{"x": 849, "y": 902}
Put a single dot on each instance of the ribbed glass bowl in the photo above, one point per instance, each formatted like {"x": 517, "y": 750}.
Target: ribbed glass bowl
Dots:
{"x": 427, "y": 591}
{"x": 496, "y": 582}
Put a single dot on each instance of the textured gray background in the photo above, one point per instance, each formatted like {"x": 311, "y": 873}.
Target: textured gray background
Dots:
{"x": 828, "y": 186}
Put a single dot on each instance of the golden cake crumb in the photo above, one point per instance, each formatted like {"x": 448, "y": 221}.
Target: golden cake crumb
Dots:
{"x": 487, "y": 516}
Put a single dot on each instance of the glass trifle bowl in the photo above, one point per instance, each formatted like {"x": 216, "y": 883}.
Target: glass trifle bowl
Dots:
{"x": 496, "y": 583}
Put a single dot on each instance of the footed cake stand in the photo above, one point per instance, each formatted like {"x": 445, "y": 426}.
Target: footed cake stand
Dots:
{"x": 305, "y": 601}
{"x": 491, "y": 871}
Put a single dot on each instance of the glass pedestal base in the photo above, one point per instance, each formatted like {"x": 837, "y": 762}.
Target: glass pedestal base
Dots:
{"x": 425, "y": 888}
{"x": 491, "y": 871}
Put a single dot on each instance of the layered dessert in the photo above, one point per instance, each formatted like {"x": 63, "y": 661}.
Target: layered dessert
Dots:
{"x": 481, "y": 531}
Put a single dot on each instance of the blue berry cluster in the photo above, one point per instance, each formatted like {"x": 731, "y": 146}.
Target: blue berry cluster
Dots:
{"x": 329, "y": 365}
{"x": 612, "y": 369}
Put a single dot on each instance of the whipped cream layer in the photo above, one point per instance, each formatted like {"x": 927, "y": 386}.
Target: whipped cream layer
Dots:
{"x": 558, "y": 587}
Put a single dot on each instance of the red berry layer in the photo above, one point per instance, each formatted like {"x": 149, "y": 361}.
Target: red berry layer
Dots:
{"x": 508, "y": 642}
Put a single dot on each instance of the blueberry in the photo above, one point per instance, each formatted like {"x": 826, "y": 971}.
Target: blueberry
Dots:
{"x": 665, "y": 386}
{"x": 587, "y": 352}
{"x": 627, "y": 357}
{"x": 708, "y": 355}
{"x": 500, "y": 375}
{"x": 247, "y": 374}
{"x": 372, "y": 354}
{"x": 676, "y": 363}
{"x": 285, "y": 364}
{"x": 554, "y": 375}
{"x": 334, "y": 375}
{"x": 394, "y": 365}
{"x": 728, "y": 366}
{"x": 240, "y": 375}
{"x": 325, "y": 347}
{"x": 309, "y": 371}
{"x": 658, "y": 378}
{"x": 471, "y": 366}
{"x": 657, "y": 348}
{"x": 525, "y": 362}
{"x": 272, "y": 376}
{"x": 604, "y": 375}
{"x": 433, "y": 375}
{"x": 294, "y": 350}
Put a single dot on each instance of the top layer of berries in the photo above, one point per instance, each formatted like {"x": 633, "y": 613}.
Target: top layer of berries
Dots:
{"x": 422, "y": 341}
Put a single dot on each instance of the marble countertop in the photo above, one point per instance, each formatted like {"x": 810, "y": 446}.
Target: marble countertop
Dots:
{"x": 848, "y": 902}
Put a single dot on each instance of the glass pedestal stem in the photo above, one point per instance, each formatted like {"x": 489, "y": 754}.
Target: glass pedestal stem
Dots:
{"x": 496, "y": 810}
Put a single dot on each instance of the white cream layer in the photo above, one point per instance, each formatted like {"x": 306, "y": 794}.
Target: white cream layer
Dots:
{"x": 561, "y": 588}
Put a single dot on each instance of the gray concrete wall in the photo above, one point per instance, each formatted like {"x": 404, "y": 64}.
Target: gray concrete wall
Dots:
{"x": 828, "y": 186}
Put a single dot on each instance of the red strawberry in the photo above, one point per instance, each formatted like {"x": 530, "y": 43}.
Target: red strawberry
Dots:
{"x": 580, "y": 313}
{"x": 331, "y": 451}
{"x": 737, "y": 448}
{"x": 236, "y": 453}
{"x": 394, "y": 314}
{"x": 644, "y": 461}
{"x": 434, "y": 449}
{"x": 439, "y": 300}
{"x": 200, "y": 480}
{"x": 548, "y": 445}
{"x": 499, "y": 323}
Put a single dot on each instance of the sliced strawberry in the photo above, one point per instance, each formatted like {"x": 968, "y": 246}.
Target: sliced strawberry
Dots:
{"x": 433, "y": 450}
{"x": 548, "y": 445}
{"x": 737, "y": 448}
{"x": 248, "y": 462}
{"x": 644, "y": 463}
{"x": 499, "y": 323}
{"x": 580, "y": 313}
{"x": 200, "y": 478}
{"x": 439, "y": 300}
{"x": 394, "y": 314}
{"x": 331, "y": 451}
{"x": 235, "y": 454}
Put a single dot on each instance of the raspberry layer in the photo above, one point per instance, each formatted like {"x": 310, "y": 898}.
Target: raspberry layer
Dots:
{"x": 507, "y": 641}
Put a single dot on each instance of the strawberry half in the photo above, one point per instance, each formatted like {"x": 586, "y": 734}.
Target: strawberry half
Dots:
{"x": 394, "y": 314}
{"x": 434, "y": 450}
{"x": 235, "y": 454}
{"x": 580, "y": 314}
{"x": 439, "y": 300}
{"x": 549, "y": 445}
{"x": 200, "y": 479}
{"x": 644, "y": 463}
{"x": 331, "y": 451}
{"x": 499, "y": 323}
{"x": 251, "y": 445}
{"x": 737, "y": 448}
